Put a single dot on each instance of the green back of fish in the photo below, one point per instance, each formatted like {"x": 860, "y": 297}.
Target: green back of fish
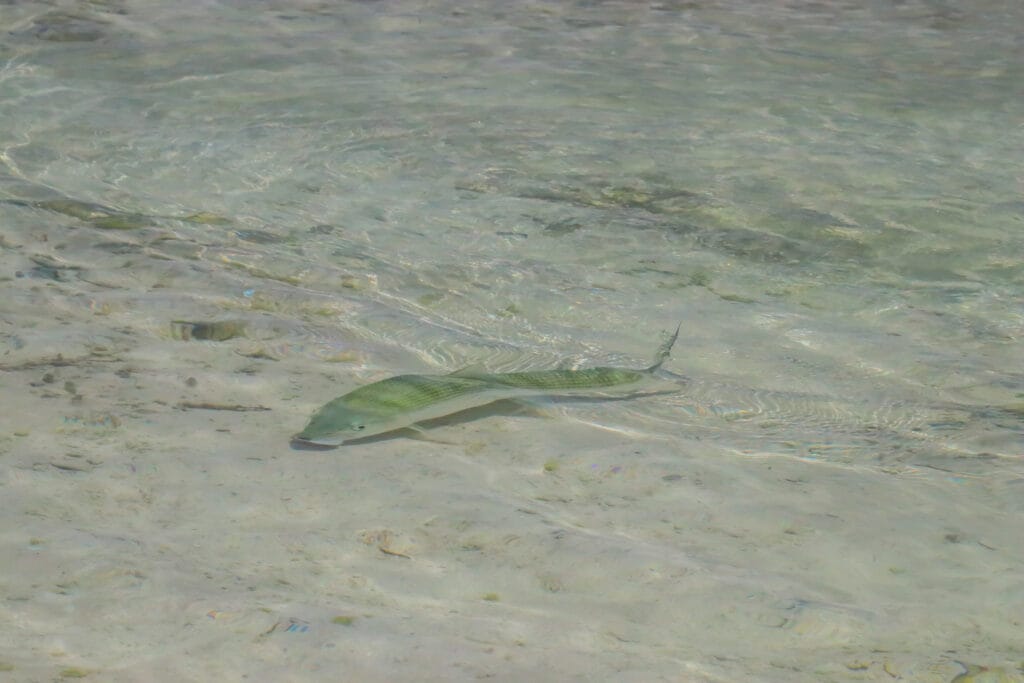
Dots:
{"x": 407, "y": 393}
{"x": 567, "y": 380}
{"x": 413, "y": 392}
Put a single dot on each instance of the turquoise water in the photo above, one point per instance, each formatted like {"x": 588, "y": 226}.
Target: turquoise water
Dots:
{"x": 828, "y": 195}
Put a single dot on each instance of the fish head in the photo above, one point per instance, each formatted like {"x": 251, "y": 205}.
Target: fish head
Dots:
{"x": 338, "y": 422}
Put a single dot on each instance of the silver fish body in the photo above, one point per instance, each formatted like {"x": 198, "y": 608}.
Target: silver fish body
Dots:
{"x": 404, "y": 400}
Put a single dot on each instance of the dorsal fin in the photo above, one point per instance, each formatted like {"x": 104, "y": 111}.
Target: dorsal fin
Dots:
{"x": 476, "y": 371}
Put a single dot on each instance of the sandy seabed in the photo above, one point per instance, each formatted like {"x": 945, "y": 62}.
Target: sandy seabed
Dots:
{"x": 160, "y": 527}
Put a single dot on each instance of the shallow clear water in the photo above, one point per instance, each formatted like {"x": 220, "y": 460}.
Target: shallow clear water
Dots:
{"x": 827, "y": 195}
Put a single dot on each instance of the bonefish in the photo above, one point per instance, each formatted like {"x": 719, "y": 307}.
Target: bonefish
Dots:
{"x": 404, "y": 400}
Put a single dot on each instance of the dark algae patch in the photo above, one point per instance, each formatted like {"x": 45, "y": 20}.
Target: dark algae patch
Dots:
{"x": 207, "y": 331}
{"x": 109, "y": 218}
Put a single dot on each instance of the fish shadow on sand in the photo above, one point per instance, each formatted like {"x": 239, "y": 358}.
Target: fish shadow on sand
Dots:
{"x": 507, "y": 407}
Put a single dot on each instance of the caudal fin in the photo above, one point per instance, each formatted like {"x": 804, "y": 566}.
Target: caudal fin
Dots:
{"x": 664, "y": 350}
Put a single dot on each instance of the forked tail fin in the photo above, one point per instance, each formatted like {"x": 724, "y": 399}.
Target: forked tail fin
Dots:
{"x": 664, "y": 350}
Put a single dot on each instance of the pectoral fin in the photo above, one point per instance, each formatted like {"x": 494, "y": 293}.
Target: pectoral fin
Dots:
{"x": 531, "y": 408}
{"x": 418, "y": 434}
